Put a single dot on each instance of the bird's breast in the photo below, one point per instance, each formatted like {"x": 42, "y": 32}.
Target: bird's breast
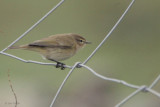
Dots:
{"x": 60, "y": 54}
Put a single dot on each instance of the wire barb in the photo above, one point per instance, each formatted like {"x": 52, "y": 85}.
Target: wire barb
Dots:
{"x": 131, "y": 95}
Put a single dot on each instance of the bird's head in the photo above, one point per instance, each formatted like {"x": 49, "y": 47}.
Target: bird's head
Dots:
{"x": 80, "y": 41}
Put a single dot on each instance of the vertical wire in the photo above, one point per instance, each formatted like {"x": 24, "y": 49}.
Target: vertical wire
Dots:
{"x": 62, "y": 84}
{"x": 113, "y": 28}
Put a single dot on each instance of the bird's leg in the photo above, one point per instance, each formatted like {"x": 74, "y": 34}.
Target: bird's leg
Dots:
{"x": 59, "y": 64}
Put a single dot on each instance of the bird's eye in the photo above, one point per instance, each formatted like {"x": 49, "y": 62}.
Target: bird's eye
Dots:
{"x": 81, "y": 40}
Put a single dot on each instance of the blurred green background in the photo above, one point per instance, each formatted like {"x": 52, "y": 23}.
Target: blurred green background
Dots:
{"x": 131, "y": 53}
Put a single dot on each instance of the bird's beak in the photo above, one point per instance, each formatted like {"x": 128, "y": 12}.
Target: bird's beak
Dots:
{"x": 87, "y": 42}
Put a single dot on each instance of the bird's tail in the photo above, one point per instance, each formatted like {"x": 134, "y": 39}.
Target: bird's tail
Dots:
{"x": 19, "y": 47}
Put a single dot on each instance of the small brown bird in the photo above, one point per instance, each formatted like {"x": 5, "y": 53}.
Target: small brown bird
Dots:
{"x": 56, "y": 47}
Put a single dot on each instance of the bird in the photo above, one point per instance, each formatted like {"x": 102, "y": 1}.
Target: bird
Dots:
{"x": 56, "y": 47}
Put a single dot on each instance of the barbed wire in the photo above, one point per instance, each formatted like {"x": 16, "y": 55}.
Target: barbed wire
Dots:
{"x": 139, "y": 89}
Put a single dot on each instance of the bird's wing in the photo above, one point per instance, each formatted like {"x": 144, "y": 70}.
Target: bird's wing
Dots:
{"x": 50, "y": 44}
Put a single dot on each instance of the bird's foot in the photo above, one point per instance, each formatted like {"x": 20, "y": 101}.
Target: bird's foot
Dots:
{"x": 62, "y": 65}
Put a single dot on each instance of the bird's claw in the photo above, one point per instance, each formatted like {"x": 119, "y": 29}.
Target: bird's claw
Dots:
{"x": 60, "y": 65}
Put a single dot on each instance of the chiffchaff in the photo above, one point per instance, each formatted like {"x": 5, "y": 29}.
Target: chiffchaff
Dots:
{"x": 56, "y": 47}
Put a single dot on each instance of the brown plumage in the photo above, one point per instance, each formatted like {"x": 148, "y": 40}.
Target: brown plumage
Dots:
{"x": 56, "y": 47}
